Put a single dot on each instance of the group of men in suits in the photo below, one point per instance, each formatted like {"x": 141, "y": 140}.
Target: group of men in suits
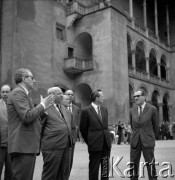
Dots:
{"x": 48, "y": 126}
{"x": 52, "y": 126}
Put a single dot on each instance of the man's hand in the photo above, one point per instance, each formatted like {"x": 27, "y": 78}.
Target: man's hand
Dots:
{"x": 48, "y": 101}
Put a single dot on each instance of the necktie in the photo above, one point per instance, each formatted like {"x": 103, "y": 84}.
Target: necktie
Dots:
{"x": 140, "y": 111}
{"x": 59, "y": 108}
{"x": 98, "y": 111}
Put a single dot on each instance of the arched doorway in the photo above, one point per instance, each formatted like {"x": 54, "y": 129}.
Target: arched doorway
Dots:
{"x": 82, "y": 95}
{"x": 165, "y": 108}
{"x": 154, "y": 99}
{"x": 83, "y": 50}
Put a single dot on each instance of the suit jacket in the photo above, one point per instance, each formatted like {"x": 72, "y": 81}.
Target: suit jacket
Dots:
{"x": 24, "y": 125}
{"x": 145, "y": 127}
{"x": 57, "y": 130}
{"x": 94, "y": 129}
{"x": 75, "y": 122}
{"x": 3, "y": 124}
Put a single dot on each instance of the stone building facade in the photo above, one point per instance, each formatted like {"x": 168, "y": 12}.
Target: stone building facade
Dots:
{"x": 114, "y": 45}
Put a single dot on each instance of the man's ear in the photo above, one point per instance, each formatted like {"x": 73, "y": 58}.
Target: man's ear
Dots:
{"x": 23, "y": 79}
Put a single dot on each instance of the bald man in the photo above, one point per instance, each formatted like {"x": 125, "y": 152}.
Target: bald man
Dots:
{"x": 4, "y": 156}
{"x": 56, "y": 139}
{"x": 75, "y": 124}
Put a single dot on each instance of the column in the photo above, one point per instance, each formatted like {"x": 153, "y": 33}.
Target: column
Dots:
{"x": 167, "y": 73}
{"x": 131, "y": 8}
{"x": 147, "y": 67}
{"x": 131, "y": 12}
{"x": 144, "y": 14}
{"x": 156, "y": 18}
{"x": 168, "y": 25}
{"x": 133, "y": 60}
{"x": 159, "y": 72}
{"x": 160, "y": 105}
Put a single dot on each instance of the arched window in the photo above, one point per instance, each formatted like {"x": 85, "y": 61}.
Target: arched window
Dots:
{"x": 140, "y": 57}
{"x": 153, "y": 64}
{"x": 155, "y": 99}
{"x": 163, "y": 68}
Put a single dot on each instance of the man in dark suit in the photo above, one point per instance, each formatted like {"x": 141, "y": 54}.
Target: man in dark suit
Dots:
{"x": 4, "y": 156}
{"x": 94, "y": 130}
{"x": 56, "y": 139}
{"x": 145, "y": 128}
{"x": 24, "y": 125}
{"x": 75, "y": 124}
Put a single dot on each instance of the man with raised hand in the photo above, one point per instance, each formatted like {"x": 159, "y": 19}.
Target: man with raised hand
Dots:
{"x": 24, "y": 125}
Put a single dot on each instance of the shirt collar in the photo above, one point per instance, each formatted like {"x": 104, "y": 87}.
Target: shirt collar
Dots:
{"x": 25, "y": 89}
{"x": 143, "y": 105}
{"x": 94, "y": 105}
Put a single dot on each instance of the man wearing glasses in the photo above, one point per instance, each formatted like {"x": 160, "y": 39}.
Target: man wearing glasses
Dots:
{"x": 24, "y": 126}
{"x": 145, "y": 127}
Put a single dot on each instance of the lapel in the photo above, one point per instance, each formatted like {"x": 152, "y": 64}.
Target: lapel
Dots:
{"x": 95, "y": 113}
{"x": 136, "y": 112}
{"x": 57, "y": 112}
{"x": 64, "y": 111}
{"x": 29, "y": 99}
{"x": 3, "y": 108}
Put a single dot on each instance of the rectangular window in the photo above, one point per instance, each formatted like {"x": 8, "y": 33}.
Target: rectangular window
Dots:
{"x": 70, "y": 52}
{"x": 60, "y": 32}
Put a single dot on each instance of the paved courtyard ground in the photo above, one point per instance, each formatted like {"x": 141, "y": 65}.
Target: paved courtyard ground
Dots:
{"x": 164, "y": 153}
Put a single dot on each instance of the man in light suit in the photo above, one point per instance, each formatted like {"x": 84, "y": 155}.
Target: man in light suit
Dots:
{"x": 56, "y": 139}
{"x": 4, "y": 156}
{"x": 94, "y": 129}
{"x": 24, "y": 125}
{"x": 75, "y": 124}
{"x": 145, "y": 128}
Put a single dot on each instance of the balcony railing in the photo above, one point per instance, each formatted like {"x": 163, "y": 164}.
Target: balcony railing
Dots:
{"x": 77, "y": 65}
{"x": 141, "y": 74}
{"x": 149, "y": 34}
{"x": 77, "y": 7}
{"x": 154, "y": 78}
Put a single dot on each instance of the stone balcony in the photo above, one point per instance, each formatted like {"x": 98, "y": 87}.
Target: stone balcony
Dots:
{"x": 78, "y": 8}
{"x": 74, "y": 65}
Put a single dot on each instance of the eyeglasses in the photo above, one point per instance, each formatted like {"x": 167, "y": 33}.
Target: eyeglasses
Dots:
{"x": 32, "y": 78}
{"x": 137, "y": 96}
{"x": 70, "y": 94}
